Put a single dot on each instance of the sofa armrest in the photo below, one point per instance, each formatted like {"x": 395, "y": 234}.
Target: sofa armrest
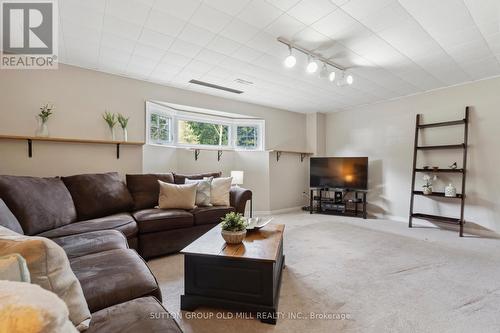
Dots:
{"x": 238, "y": 197}
{"x": 91, "y": 242}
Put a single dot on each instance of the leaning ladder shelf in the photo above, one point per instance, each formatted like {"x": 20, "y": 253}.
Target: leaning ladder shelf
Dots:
{"x": 462, "y": 146}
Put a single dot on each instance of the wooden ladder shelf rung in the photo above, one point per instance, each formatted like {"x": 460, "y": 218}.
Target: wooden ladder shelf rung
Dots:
{"x": 458, "y": 221}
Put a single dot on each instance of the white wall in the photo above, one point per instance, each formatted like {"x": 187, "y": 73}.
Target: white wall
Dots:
{"x": 82, "y": 95}
{"x": 385, "y": 132}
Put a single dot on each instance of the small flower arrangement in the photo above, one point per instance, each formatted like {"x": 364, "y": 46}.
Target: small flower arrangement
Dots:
{"x": 233, "y": 222}
{"x": 122, "y": 120}
{"x": 46, "y": 112}
{"x": 110, "y": 119}
{"x": 428, "y": 179}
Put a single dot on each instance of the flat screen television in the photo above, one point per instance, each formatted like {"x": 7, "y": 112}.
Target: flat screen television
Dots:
{"x": 339, "y": 172}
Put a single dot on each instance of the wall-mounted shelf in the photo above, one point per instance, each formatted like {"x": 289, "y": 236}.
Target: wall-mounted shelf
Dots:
{"x": 303, "y": 154}
{"x": 31, "y": 139}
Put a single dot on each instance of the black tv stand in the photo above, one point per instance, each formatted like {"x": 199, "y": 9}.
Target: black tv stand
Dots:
{"x": 344, "y": 202}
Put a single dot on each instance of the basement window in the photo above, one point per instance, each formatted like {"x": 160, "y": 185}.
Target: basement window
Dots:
{"x": 184, "y": 126}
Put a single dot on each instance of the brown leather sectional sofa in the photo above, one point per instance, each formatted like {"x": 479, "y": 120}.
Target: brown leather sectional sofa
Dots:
{"x": 100, "y": 221}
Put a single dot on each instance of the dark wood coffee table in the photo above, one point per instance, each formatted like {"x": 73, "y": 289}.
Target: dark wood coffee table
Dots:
{"x": 244, "y": 277}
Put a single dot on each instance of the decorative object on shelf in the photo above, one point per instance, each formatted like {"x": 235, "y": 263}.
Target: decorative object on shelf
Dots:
{"x": 237, "y": 178}
{"x": 435, "y": 168}
{"x": 426, "y": 167}
{"x": 111, "y": 120}
{"x": 233, "y": 228}
{"x": 450, "y": 191}
{"x": 43, "y": 118}
{"x": 454, "y": 166}
{"x": 427, "y": 187}
{"x": 123, "y": 123}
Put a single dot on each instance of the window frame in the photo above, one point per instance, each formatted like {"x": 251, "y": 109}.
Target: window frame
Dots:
{"x": 176, "y": 115}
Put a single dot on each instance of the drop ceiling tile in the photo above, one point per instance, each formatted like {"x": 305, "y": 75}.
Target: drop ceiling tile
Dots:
{"x": 199, "y": 66}
{"x": 259, "y": 13}
{"x": 155, "y": 39}
{"x": 311, "y": 39}
{"x": 388, "y": 17}
{"x": 230, "y": 7}
{"x": 129, "y": 10}
{"x": 335, "y": 24}
{"x": 164, "y": 69}
{"x": 246, "y": 54}
{"x": 209, "y": 18}
{"x": 285, "y": 26}
{"x": 121, "y": 27}
{"x": 117, "y": 42}
{"x": 185, "y": 48}
{"x": 483, "y": 68}
{"x": 76, "y": 31}
{"x": 193, "y": 34}
{"x": 210, "y": 56}
{"x": 149, "y": 52}
{"x": 180, "y": 9}
{"x": 83, "y": 16}
{"x": 171, "y": 58}
{"x": 223, "y": 45}
{"x": 284, "y": 5}
{"x": 96, "y": 5}
{"x": 361, "y": 8}
{"x": 239, "y": 31}
{"x": 164, "y": 23}
{"x": 310, "y": 11}
{"x": 109, "y": 54}
{"x": 266, "y": 43}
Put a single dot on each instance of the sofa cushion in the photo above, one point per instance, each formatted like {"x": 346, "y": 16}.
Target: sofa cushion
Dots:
{"x": 144, "y": 314}
{"x": 123, "y": 222}
{"x": 114, "y": 277}
{"x": 98, "y": 195}
{"x": 145, "y": 188}
{"x": 174, "y": 196}
{"x": 91, "y": 242}
{"x": 8, "y": 220}
{"x": 39, "y": 204}
{"x": 49, "y": 267}
{"x": 152, "y": 220}
{"x": 180, "y": 178}
{"x": 210, "y": 215}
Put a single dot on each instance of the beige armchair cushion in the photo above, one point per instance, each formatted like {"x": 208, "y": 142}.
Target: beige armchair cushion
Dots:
{"x": 27, "y": 308}
{"x": 13, "y": 268}
{"x": 50, "y": 269}
{"x": 174, "y": 196}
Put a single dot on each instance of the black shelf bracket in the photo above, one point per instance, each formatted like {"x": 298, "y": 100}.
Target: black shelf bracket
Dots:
{"x": 117, "y": 151}
{"x": 196, "y": 154}
{"x": 302, "y": 156}
{"x": 30, "y": 148}
{"x": 278, "y": 155}
{"x": 219, "y": 155}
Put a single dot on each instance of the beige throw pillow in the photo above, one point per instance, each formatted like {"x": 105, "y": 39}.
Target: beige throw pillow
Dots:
{"x": 174, "y": 196}
{"x": 219, "y": 191}
{"x": 27, "y": 308}
{"x": 49, "y": 268}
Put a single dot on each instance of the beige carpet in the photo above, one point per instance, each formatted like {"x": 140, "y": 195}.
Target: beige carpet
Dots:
{"x": 380, "y": 275}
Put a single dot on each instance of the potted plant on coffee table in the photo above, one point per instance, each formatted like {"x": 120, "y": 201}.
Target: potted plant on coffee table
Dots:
{"x": 233, "y": 228}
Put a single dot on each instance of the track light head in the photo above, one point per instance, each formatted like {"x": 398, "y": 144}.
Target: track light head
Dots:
{"x": 324, "y": 71}
{"x": 312, "y": 66}
{"x": 349, "y": 79}
{"x": 331, "y": 76}
{"x": 290, "y": 60}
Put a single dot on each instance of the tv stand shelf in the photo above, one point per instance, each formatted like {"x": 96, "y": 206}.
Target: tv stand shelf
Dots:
{"x": 345, "y": 202}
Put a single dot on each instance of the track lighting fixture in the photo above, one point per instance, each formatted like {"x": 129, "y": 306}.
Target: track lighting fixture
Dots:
{"x": 290, "y": 60}
{"x": 313, "y": 62}
{"x": 312, "y": 66}
{"x": 331, "y": 77}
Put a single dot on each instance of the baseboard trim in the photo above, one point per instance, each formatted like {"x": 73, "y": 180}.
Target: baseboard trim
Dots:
{"x": 277, "y": 211}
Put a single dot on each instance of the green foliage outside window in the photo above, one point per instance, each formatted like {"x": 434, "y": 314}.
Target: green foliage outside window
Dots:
{"x": 246, "y": 136}
{"x": 194, "y": 132}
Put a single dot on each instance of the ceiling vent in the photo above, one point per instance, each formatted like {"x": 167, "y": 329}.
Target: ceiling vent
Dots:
{"x": 245, "y": 82}
{"x": 215, "y": 86}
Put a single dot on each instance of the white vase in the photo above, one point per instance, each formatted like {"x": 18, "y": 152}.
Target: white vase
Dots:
{"x": 233, "y": 237}
{"x": 427, "y": 190}
{"x": 43, "y": 129}
{"x": 125, "y": 135}
{"x": 113, "y": 135}
{"x": 450, "y": 191}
